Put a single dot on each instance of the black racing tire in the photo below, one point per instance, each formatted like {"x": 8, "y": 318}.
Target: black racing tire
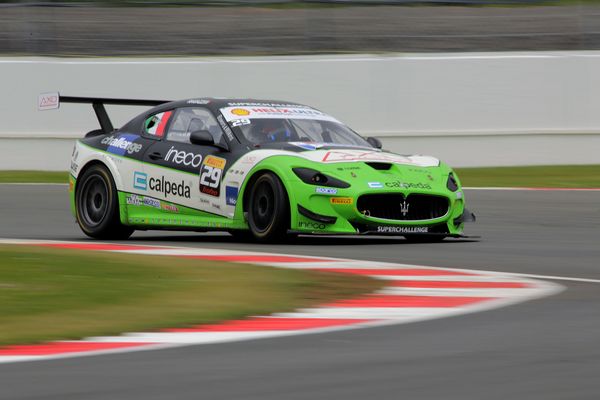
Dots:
{"x": 424, "y": 238}
{"x": 97, "y": 205}
{"x": 268, "y": 209}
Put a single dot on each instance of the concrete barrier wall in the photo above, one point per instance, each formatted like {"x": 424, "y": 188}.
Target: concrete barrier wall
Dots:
{"x": 470, "y": 109}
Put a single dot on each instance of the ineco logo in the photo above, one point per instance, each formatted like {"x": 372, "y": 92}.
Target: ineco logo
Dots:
{"x": 140, "y": 180}
{"x": 310, "y": 225}
{"x": 122, "y": 144}
{"x": 183, "y": 158}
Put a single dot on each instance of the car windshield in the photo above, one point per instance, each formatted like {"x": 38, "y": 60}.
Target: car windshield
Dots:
{"x": 261, "y": 125}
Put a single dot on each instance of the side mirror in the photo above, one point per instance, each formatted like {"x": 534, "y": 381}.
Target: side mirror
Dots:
{"x": 373, "y": 141}
{"x": 204, "y": 138}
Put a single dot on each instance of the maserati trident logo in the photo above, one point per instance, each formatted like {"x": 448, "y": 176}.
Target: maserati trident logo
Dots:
{"x": 404, "y": 208}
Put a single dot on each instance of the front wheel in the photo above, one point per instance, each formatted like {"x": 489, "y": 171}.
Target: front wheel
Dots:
{"x": 97, "y": 205}
{"x": 268, "y": 209}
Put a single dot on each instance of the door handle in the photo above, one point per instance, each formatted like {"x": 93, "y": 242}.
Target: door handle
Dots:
{"x": 155, "y": 156}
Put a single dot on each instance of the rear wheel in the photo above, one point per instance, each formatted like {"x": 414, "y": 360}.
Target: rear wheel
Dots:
{"x": 97, "y": 205}
{"x": 268, "y": 209}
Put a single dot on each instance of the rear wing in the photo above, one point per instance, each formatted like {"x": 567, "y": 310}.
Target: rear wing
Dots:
{"x": 51, "y": 101}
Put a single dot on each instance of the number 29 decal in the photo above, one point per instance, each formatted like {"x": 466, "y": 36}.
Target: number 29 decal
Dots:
{"x": 211, "y": 172}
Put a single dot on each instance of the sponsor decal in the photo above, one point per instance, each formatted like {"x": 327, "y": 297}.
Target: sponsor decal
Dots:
{"x": 341, "y": 200}
{"x": 242, "y": 112}
{"x": 122, "y": 144}
{"x": 168, "y": 188}
{"x": 198, "y": 101}
{"x": 371, "y": 155}
{"x": 375, "y": 185}
{"x": 305, "y": 146}
{"x": 74, "y": 167}
{"x": 182, "y": 157}
{"x": 150, "y": 202}
{"x": 140, "y": 180}
{"x": 244, "y": 104}
{"x": 322, "y": 190}
{"x": 231, "y": 194}
{"x": 210, "y": 175}
{"x": 406, "y": 185}
{"x": 225, "y": 127}
{"x": 311, "y": 225}
{"x": 133, "y": 200}
{"x": 265, "y": 111}
{"x": 402, "y": 229}
{"x": 170, "y": 208}
{"x": 48, "y": 101}
{"x": 215, "y": 206}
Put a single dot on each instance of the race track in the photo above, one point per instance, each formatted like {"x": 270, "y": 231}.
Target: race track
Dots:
{"x": 544, "y": 349}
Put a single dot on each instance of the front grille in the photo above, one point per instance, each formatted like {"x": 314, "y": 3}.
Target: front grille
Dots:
{"x": 395, "y": 206}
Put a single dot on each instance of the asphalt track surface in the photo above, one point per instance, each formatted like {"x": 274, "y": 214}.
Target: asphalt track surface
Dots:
{"x": 544, "y": 349}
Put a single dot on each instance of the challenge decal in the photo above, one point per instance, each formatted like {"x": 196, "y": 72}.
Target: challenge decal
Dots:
{"x": 210, "y": 175}
{"x": 122, "y": 144}
{"x": 402, "y": 229}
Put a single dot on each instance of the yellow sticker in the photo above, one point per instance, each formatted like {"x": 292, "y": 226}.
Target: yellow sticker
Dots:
{"x": 240, "y": 111}
{"x": 215, "y": 162}
{"x": 341, "y": 200}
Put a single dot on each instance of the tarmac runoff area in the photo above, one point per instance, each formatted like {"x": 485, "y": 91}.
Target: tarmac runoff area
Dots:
{"x": 545, "y": 348}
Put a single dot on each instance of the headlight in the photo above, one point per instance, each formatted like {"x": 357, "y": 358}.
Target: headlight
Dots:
{"x": 314, "y": 177}
{"x": 452, "y": 184}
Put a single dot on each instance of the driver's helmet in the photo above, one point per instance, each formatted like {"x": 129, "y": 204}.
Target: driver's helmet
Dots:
{"x": 269, "y": 130}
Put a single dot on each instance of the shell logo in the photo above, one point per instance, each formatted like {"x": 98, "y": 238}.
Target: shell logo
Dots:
{"x": 240, "y": 111}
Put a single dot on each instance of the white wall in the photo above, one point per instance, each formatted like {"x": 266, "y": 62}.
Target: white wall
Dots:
{"x": 468, "y": 109}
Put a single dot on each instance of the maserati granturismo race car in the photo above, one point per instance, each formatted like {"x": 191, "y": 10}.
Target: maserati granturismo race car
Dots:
{"x": 257, "y": 168}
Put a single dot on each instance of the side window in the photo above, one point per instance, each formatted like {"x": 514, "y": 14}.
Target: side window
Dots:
{"x": 188, "y": 120}
{"x": 155, "y": 125}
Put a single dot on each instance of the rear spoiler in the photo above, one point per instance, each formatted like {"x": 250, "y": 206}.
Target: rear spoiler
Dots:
{"x": 51, "y": 101}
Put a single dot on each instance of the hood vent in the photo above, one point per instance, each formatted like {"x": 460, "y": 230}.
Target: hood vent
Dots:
{"x": 379, "y": 166}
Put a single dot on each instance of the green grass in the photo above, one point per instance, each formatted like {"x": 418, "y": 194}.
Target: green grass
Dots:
{"x": 566, "y": 176}
{"x": 51, "y": 294}
{"x": 34, "y": 177}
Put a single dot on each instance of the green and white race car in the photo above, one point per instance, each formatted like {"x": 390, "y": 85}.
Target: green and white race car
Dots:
{"x": 256, "y": 168}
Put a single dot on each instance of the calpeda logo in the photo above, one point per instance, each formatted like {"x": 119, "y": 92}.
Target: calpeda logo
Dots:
{"x": 167, "y": 188}
{"x": 406, "y": 185}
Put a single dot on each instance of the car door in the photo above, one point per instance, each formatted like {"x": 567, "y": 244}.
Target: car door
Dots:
{"x": 182, "y": 173}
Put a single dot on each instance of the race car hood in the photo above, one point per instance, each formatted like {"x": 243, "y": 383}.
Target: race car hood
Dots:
{"x": 330, "y": 153}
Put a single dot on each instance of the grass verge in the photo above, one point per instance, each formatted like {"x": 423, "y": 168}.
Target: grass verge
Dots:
{"x": 51, "y": 294}
{"x": 34, "y": 177}
{"x": 556, "y": 176}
